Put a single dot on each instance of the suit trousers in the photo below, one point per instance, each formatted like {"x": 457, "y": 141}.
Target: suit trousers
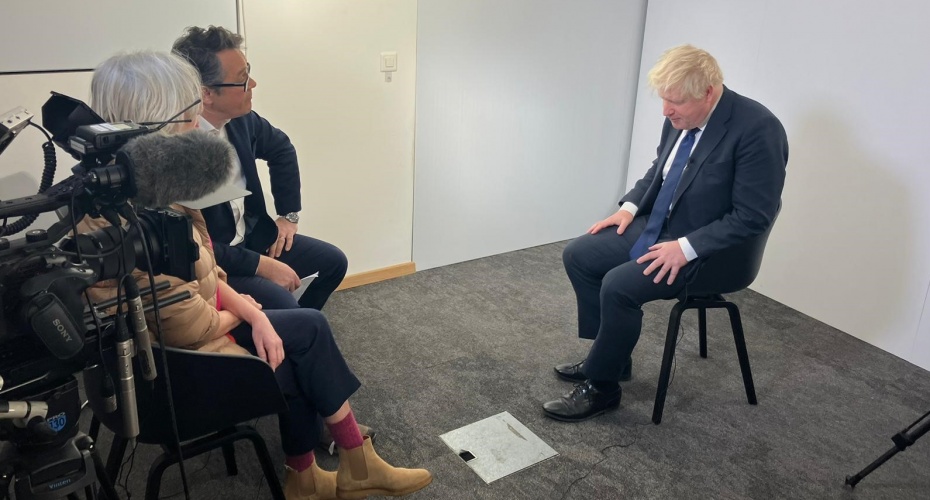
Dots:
{"x": 610, "y": 290}
{"x": 307, "y": 256}
{"x": 314, "y": 376}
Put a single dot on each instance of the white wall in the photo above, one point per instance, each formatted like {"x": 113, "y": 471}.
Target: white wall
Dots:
{"x": 317, "y": 65}
{"x": 318, "y": 73}
{"x": 47, "y": 35}
{"x": 21, "y": 162}
{"x": 523, "y": 121}
{"x": 846, "y": 79}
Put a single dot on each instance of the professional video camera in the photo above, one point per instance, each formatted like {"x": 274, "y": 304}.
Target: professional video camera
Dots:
{"x": 48, "y": 332}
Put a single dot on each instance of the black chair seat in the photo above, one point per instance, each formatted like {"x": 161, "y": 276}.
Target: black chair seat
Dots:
{"x": 730, "y": 270}
{"x": 213, "y": 395}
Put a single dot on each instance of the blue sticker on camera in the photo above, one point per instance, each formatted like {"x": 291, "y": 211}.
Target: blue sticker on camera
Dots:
{"x": 57, "y": 422}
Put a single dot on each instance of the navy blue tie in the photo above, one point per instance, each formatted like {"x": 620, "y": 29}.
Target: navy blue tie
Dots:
{"x": 664, "y": 199}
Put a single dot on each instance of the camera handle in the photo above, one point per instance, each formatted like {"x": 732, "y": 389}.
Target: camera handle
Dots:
{"x": 29, "y": 415}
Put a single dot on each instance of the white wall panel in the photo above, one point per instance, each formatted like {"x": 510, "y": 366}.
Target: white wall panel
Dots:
{"x": 317, "y": 65}
{"x": 55, "y": 35}
{"x": 523, "y": 121}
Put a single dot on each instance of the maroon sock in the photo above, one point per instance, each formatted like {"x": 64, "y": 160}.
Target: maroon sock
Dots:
{"x": 300, "y": 463}
{"x": 345, "y": 432}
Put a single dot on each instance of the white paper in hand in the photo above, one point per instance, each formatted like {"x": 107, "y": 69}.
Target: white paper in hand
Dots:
{"x": 304, "y": 283}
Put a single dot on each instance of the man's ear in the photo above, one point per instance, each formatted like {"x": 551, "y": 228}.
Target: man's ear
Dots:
{"x": 207, "y": 96}
{"x": 709, "y": 93}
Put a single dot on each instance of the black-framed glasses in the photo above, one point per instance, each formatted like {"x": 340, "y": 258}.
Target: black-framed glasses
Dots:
{"x": 244, "y": 85}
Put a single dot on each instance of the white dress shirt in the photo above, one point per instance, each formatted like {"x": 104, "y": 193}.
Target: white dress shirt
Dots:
{"x": 238, "y": 179}
{"x": 686, "y": 247}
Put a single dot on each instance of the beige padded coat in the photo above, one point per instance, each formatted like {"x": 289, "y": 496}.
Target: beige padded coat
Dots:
{"x": 194, "y": 322}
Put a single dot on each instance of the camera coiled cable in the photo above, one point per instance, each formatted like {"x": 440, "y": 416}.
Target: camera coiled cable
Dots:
{"x": 48, "y": 175}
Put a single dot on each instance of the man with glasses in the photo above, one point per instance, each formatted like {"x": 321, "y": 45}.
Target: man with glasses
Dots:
{"x": 264, "y": 257}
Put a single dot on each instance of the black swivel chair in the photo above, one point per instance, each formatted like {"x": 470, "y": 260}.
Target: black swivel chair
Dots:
{"x": 213, "y": 395}
{"x": 727, "y": 271}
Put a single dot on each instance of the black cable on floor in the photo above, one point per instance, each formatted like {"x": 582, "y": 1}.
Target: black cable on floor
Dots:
{"x": 681, "y": 335}
{"x": 206, "y": 461}
{"x": 636, "y": 425}
{"x": 131, "y": 460}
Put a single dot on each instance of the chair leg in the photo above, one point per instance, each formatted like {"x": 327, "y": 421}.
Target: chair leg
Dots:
{"x": 229, "y": 455}
{"x": 104, "y": 481}
{"x": 115, "y": 457}
{"x": 737, "y": 325}
{"x": 94, "y": 429}
{"x": 268, "y": 468}
{"x": 702, "y": 331}
{"x": 153, "y": 482}
{"x": 674, "y": 321}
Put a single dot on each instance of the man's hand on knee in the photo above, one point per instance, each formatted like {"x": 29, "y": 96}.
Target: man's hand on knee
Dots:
{"x": 667, "y": 257}
{"x": 278, "y": 272}
{"x": 621, "y": 219}
{"x": 286, "y": 232}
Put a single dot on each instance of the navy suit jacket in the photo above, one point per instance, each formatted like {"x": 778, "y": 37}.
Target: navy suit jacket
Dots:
{"x": 255, "y": 138}
{"x": 731, "y": 188}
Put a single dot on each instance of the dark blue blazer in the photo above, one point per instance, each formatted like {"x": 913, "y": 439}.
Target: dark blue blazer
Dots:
{"x": 255, "y": 138}
{"x": 731, "y": 188}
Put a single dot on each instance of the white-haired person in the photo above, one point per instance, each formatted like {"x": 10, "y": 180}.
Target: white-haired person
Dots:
{"x": 297, "y": 343}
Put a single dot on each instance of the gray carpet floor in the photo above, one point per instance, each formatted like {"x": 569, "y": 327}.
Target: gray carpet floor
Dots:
{"x": 446, "y": 347}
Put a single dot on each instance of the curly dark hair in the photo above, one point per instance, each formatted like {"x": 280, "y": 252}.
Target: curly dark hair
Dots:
{"x": 199, "y": 46}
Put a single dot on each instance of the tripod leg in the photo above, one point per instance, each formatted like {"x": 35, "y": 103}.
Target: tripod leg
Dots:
{"x": 6, "y": 477}
{"x": 115, "y": 457}
{"x": 901, "y": 440}
{"x": 853, "y": 480}
{"x": 103, "y": 478}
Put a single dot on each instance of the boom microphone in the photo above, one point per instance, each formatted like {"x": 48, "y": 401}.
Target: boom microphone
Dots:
{"x": 181, "y": 167}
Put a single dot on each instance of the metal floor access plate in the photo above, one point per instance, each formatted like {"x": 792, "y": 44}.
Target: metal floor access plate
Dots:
{"x": 497, "y": 446}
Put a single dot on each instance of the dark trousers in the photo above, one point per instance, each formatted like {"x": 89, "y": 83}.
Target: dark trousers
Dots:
{"x": 611, "y": 289}
{"x": 307, "y": 256}
{"x": 314, "y": 376}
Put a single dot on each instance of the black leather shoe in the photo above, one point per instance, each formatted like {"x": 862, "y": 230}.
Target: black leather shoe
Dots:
{"x": 574, "y": 372}
{"x": 582, "y": 403}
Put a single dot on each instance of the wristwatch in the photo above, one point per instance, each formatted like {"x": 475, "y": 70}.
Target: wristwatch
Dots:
{"x": 292, "y": 217}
